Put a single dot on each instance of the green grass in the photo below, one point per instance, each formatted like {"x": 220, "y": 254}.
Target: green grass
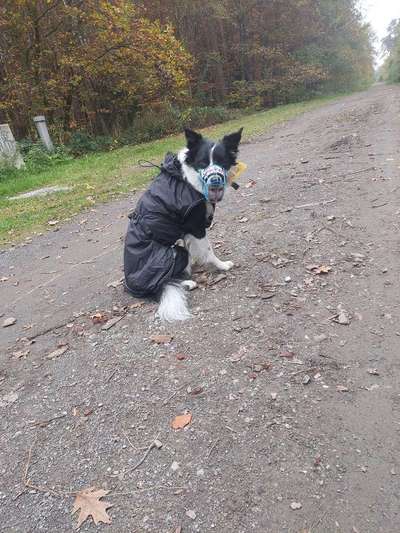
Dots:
{"x": 104, "y": 176}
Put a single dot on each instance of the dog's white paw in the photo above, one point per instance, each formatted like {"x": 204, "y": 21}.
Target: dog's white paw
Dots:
{"x": 189, "y": 284}
{"x": 226, "y": 265}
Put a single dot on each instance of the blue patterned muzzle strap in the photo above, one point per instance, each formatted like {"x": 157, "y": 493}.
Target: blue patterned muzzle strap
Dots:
{"x": 213, "y": 177}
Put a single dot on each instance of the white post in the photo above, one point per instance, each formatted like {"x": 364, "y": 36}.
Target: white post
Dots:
{"x": 9, "y": 153}
{"x": 41, "y": 126}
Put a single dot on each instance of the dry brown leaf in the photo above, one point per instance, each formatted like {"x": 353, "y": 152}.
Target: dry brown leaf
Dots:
{"x": 99, "y": 318}
{"x": 161, "y": 339}
{"x": 58, "y": 352}
{"x": 319, "y": 269}
{"x": 136, "y": 305}
{"x": 89, "y": 504}
{"x": 20, "y": 354}
{"x": 287, "y": 355}
{"x": 181, "y": 421}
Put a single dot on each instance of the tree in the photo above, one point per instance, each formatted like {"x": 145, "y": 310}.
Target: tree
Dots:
{"x": 90, "y": 64}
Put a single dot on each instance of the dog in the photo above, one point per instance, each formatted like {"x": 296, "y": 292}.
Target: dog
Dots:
{"x": 167, "y": 231}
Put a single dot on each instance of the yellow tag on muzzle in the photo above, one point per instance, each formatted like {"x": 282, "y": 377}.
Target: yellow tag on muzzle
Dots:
{"x": 235, "y": 171}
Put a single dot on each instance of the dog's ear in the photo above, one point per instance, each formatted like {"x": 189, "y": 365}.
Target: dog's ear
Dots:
{"x": 192, "y": 138}
{"x": 232, "y": 141}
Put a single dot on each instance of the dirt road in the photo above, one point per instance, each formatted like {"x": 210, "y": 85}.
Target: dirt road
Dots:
{"x": 290, "y": 368}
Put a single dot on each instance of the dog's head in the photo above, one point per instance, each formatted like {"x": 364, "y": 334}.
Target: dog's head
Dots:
{"x": 212, "y": 160}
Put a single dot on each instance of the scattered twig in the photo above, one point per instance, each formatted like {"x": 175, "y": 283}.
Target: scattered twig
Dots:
{"x": 212, "y": 448}
{"x": 379, "y": 205}
{"x": 28, "y": 485}
{"x": 111, "y": 376}
{"x": 44, "y": 423}
{"x": 313, "y": 369}
{"x": 167, "y": 400}
{"x": 153, "y": 487}
{"x": 142, "y": 460}
{"x": 323, "y": 202}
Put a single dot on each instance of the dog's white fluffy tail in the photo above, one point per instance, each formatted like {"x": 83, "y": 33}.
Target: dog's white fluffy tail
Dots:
{"x": 173, "y": 304}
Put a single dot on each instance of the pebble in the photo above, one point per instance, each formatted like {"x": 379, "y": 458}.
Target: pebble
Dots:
{"x": 175, "y": 466}
{"x": 295, "y": 506}
{"x": 191, "y": 514}
{"x": 9, "y": 322}
{"x": 306, "y": 379}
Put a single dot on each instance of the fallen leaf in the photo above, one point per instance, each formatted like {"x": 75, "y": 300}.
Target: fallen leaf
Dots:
{"x": 267, "y": 296}
{"x": 115, "y": 284}
{"x": 196, "y": 390}
{"x": 259, "y": 367}
{"x": 20, "y": 354}
{"x": 136, "y": 305}
{"x": 236, "y": 357}
{"x": 287, "y": 355}
{"x": 161, "y": 339}
{"x": 58, "y": 352}
{"x": 181, "y": 421}
{"x": 99, "y": 318}
{"x": 323, "y": 269}
{"x": 9, "y": 322}
{"x": 89, "y": 504}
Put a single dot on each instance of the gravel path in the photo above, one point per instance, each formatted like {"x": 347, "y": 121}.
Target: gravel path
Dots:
{"x": 289, "y": 369}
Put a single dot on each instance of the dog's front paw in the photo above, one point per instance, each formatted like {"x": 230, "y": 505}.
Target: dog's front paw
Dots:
{"x": 226, "y": 265}
{"x": 189, "y": 285}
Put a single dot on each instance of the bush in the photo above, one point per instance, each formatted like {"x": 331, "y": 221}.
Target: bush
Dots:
{"x": 155, "y": 124}
{"x": 82, "y": 143}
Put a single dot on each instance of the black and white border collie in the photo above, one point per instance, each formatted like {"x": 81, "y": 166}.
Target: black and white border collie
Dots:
{"x": 167, "y": 232}
{"x": 199, "y": 154}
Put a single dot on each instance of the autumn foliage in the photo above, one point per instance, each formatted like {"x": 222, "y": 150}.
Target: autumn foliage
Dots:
{"x": 96, "y": 65}
{"x": 90, "y": 64}
{"x": 391, "y": 45}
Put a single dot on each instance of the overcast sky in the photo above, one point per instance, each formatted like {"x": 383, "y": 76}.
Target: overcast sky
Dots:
{"x": 379, "y": 13}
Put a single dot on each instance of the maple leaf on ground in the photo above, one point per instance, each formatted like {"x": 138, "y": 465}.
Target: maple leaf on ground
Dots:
{"x": 89, "y": 504}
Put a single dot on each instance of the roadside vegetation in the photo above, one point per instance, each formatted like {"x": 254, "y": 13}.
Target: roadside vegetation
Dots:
{"x": 117, "y": 81}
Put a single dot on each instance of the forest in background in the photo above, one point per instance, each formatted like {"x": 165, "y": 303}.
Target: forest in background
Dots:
{"x": 128, "y": 71}
{"x": 391, "y": 46}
